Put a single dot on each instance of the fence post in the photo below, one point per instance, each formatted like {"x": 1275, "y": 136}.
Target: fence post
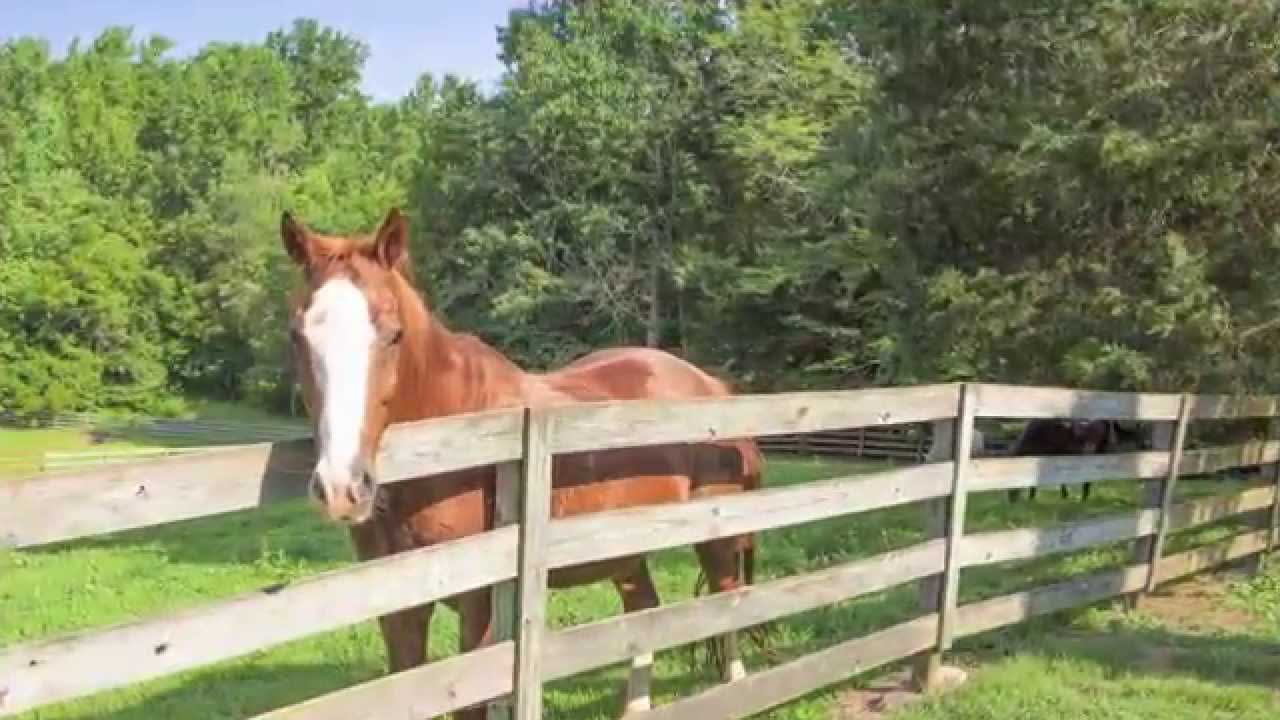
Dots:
{"x": 506, "y": 510}
{"x": 944, "y": 518}
{"x": 1153, "y": 546}
{"x": 1168, "y": 436}
{"x": 531, "y": 593}
{"x": 1273, "y": 539}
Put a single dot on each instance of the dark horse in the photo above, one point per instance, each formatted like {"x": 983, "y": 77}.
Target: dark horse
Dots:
{"x": 1070, "y": 437}
{"x": 369, "y": 353}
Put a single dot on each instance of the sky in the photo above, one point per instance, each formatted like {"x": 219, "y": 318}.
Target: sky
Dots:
{"x": 405, "y": 37}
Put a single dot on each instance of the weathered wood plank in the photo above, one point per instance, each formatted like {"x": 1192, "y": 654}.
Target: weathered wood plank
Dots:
{"x": 1008, "y": 473}
{"x": 618, "y": 533}
{"x": 1207, "y": 556}
{"x": 124, "y": 496}
{"x": 1016, "y": 607}
{"x": 531, "y": 581}
{"x": 140, "y": 494}
{"x": 503, "y": 606}
{"x": 1164, "y": 436}
{"x": 1021, "y": 543}
{"x": 775, "y": 686}
{"x": 440, "y": 445}
{"x": 73, "y": 665}
{"x": 1273, "y": 430}
{"x": 1224, "y": 457}
{"x": 423, "y": 692}
{"x": 608, "y": 641}
{"x": 1202, "y": 511}
{"x": 1016, "y": 401}
{"x": 926, "y": 669}
{"x": 959, "y": 502}
{"x": 600, "y": 426}
{"x": 1230, "y": 407}
{"x": 1167, "y": 490}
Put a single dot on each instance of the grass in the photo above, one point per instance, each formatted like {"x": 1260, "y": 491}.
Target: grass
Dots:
{"x": 1103, "y": 663}
{"x": 22, "y": 450}
{"x": 132, "y": 575}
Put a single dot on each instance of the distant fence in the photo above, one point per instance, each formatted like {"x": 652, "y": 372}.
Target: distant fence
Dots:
{"x": 911, "y": 443}
{"x": 514, "y": 559}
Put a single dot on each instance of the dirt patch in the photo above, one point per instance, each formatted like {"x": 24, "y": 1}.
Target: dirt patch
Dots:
{"x": 887, "y": 694}
{"x": 1199, "y": 604}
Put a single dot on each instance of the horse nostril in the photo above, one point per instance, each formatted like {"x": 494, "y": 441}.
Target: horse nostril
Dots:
{"x": 317, "y": 487}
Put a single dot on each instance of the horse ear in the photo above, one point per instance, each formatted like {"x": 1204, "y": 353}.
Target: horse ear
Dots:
{"x": 296, "y": 238}
{"x": 390, "y": 247}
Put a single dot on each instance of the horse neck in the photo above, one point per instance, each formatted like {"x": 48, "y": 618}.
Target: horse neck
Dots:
{"x": 440, "y": 373}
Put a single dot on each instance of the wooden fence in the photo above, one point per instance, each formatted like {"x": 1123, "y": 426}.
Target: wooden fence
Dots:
{"x": 514, "y": 559}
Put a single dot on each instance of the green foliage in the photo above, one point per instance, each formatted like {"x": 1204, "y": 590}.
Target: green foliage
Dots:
{"x": 810, "y": 193}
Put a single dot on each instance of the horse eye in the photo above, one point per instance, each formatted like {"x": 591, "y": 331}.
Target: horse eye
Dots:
{"x": 295, "y": 336}
{"x": 396, "y": 337}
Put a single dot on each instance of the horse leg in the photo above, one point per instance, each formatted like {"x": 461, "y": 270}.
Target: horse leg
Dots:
{"x": 404, "y": 632}
{"x": 721, "y": 562}
{"x": 638, "y": 593}
{"x": 1084, "y": 491}
{"x": 476, "y": 629}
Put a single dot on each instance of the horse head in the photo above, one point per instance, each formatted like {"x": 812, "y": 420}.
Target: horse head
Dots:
{"x": 345, "y": 329}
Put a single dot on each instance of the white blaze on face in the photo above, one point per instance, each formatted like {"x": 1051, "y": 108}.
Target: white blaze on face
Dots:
{"x": 340, "y": 335}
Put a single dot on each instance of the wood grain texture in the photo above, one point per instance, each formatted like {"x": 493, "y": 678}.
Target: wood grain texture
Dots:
{"x": 1022, "y": 543}
{"x": 440, "y": 445}
{"x": 1007, "y": 473}
{"x": 1230, "y": 407}
{"x": 1202, "y": 511}
{"x": 1167, "y": 489}
{"x": 618, "y": 533}
{"x": 1273, "y": 431}
{"x": 1016, "y": 607}
{"x": 777, "y": 685}
{"x": 503, "y": 607}
{"x": 138, "y": 494}
{"x": 1212, "y": 555}
{"x": 955, "y": 518}
{"x": 1224, "y": 457}
{"x": 153, "y": 492}
{"x": 608, "y": 641}
{"x": 423, "y": 692}
{"x": 531, "y": 581}
{"x": 599, "y": 426}
{"x": 1015, "y": 401}
{"x": 69, "y": 666}
{"x": 926, "y": 669}
{"x": 1150, "y": 493}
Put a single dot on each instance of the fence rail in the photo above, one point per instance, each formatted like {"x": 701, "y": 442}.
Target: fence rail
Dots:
{"x": 515, "y": 559}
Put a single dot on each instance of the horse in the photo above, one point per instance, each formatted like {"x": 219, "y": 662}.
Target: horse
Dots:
{"x": 1063, "y": 437}
{"x": 368, "y": 352}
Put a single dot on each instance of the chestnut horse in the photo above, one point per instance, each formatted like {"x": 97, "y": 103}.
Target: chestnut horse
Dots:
{"x": 368, "y": 353}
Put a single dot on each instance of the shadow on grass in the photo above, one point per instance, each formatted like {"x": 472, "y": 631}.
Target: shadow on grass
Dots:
{"x": 245, "y": 690}
{"x": 1223, "y": 659}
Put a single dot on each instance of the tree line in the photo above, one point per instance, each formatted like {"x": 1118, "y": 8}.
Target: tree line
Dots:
{"x": 813, "y": 193}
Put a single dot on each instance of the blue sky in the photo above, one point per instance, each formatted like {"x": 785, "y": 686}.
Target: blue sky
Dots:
{"x": 405, "y": 37}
